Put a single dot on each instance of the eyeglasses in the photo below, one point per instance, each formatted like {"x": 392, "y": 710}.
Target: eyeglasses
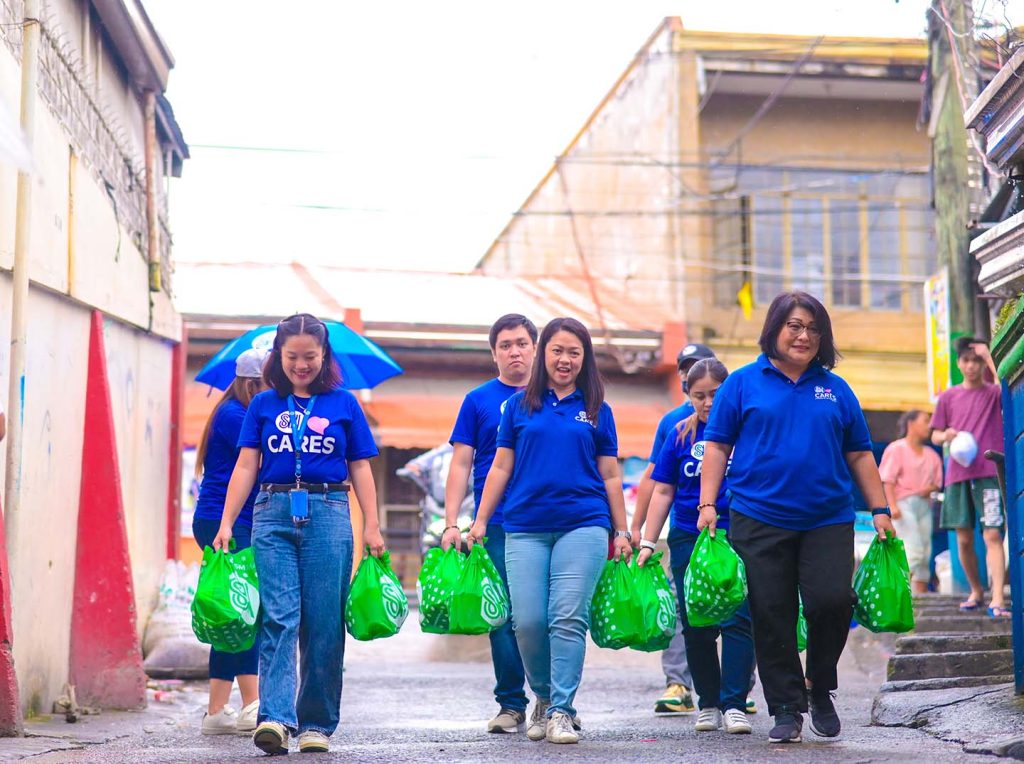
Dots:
{"x": 796, "y": 328}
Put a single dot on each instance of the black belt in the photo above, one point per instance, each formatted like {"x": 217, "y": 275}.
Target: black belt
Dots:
{"x": 311, "y": 487}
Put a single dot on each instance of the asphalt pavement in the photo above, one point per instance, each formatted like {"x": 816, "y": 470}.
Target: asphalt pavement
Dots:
{"x": 424, "y": 698}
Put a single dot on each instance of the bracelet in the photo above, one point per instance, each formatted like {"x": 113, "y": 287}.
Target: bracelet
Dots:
{"x": 449, "y": 527}
{"x": 645, "y": 544}
{"x": 708, "y": 504}
{"x": 881, "y": 511}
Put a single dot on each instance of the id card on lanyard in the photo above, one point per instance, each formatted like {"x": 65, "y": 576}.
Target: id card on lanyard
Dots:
{"x": 299, "y": 496}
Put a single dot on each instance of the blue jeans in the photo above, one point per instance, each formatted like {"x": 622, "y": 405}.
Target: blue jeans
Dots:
{"x": 227, "y": 666}
{"x": 722, "y": 686}
{"x": 304, "y": 575}
{"x": 509, "y": 674}
{"x": 552, "y": 578}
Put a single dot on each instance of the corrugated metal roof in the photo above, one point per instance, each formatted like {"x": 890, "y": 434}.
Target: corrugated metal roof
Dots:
{"x": 404, "y": 297}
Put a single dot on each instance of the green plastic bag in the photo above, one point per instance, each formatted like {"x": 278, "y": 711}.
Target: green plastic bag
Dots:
{"x": 657, "y": 604}
{"x": 227, "y": 601}
{"x": 801, "y": 629}
{"x": 376, "y": 607}
{"x": 715, "y": 583}
{"x": 616, "y": 618}
{"x": 438, "y": 578}
{"x": 882, "y": 583}
{"x": 479, "y": 602}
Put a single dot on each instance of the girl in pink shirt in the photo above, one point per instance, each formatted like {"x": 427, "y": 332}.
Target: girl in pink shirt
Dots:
{"x": 911, "y": 471}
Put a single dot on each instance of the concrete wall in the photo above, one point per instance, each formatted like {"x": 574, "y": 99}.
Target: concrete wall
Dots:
{"x": 81, "y": 258}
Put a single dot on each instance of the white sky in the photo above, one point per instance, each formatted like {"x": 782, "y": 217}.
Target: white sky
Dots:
{"x": 418, "y": 127}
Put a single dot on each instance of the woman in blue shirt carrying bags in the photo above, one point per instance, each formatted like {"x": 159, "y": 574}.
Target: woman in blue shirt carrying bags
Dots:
{"x": 215, "y": 460}
{"x": 308, "y": 441}
{"x": 797, "y": 436}
{"x": 557, "y": 458}
{"x": 722, "y": 689}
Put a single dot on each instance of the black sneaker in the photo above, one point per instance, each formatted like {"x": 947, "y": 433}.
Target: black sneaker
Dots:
{"x": 787, "y": 728}
{"x": 824, "y": 719}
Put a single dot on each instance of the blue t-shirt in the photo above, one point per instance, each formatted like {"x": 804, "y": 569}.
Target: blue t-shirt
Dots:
{"x": 477, "y": 426}
{"x": 219, "y": 463}
{"x": 555, "y": 484}
{"x": 680, "y": 464}
{"x": 791, "y": 439}
{"x": 666, "y": 425}
{"x": 336, "y": 434}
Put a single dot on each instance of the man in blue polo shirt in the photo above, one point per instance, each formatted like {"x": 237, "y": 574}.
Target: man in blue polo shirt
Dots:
{"x": 513, "y": 340}
{"x": 677, "y": 697}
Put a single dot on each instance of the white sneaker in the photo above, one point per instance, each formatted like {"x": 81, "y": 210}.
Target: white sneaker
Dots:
{"x": 220, "y": 723}
{"x": 246, "y": 721}
{"x": 708, "y": 720}
{"x": 271, "y": 737}
{"x": 560, "y": 729}
{"x": 537, "y": 729}
{"x": 736, "y": 722}
{"x": 508, "y": 720}
{"x": 312, "y": 741}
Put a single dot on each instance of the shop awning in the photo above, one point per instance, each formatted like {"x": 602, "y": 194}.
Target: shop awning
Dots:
{"x": 412, "y": 421}
{"x": 199, "y": 402}
{"x": 425, "y": 421}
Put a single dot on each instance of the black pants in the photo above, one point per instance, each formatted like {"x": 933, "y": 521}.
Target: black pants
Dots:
{"x": 819, "y": 564}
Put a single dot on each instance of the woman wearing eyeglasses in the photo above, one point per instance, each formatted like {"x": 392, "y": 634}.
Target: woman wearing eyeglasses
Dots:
{"x": 797, "y": 435}
{"x": 308, "y": 441}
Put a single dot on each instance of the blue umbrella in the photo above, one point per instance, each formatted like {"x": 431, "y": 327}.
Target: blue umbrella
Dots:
{"x": 363, "y": 363}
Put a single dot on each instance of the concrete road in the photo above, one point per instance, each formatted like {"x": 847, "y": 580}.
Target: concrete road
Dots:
{"x": 424, "y": 698}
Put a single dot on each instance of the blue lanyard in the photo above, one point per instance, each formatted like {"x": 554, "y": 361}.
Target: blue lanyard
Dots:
{"x": 298, "y": 431}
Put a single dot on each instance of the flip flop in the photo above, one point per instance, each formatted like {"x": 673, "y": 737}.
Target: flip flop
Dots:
{"x": 969, "y": 604}
{"x": 999, "y": 612}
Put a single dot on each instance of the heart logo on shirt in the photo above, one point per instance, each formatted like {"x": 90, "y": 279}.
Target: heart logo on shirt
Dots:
{"x": 318, "y": 424}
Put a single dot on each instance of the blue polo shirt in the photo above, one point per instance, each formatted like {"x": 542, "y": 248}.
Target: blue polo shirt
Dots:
{"x": 336, "y": 434}
{"x": 477, "y": 426}
{"x": 791, "y": 439}
{"x": 666, "y": 425}
{"x": 680, "y": 464}
{"x": 555, "y": 484}
{"x": 219, "y": 463}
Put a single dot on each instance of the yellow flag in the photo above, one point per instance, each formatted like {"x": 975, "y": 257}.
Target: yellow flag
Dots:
{"x": 745, "y": 298}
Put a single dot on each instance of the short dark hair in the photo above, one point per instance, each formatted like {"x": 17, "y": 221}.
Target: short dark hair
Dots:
{"x": 589, "y": 381}
{"x": 963, "y": 346}
{"x": 511, "y": 321}
{"x": 329, "y": 377}
{"x": 784, "y": 304}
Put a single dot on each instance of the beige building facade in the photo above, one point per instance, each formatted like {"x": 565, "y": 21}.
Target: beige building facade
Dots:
{"x": 719, "y": 160}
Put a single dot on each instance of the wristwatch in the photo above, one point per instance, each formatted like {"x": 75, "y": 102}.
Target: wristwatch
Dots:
{"x": 645, "y": 544}
{"x": 881, "y": 511}
{"x": 624, "y": 535}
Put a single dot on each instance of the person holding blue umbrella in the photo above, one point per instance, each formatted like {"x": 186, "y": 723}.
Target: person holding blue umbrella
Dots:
{"x": 362, "y": 362}
{"x": 309, "y": 443}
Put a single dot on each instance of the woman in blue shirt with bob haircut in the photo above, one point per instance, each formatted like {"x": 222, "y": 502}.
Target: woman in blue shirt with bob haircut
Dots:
{"x": 722, "y": 689}
{"x": 797, "y": 436}
{"x": 557, "y": 458}
{"x": 309, "y": 443}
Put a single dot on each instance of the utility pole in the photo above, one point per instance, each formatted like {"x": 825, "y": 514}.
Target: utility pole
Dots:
{"x": 957, "y": 172}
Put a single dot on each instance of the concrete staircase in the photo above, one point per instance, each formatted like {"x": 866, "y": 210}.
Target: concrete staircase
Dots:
{"x": 950, "y": 648}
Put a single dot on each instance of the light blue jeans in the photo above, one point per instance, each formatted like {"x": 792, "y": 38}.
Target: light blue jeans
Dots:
{"x": 304, "y": 575}
{"x": 552, "y": 578}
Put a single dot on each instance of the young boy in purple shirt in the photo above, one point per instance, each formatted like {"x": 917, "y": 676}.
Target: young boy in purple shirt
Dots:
{"x": 972, "y": 492}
